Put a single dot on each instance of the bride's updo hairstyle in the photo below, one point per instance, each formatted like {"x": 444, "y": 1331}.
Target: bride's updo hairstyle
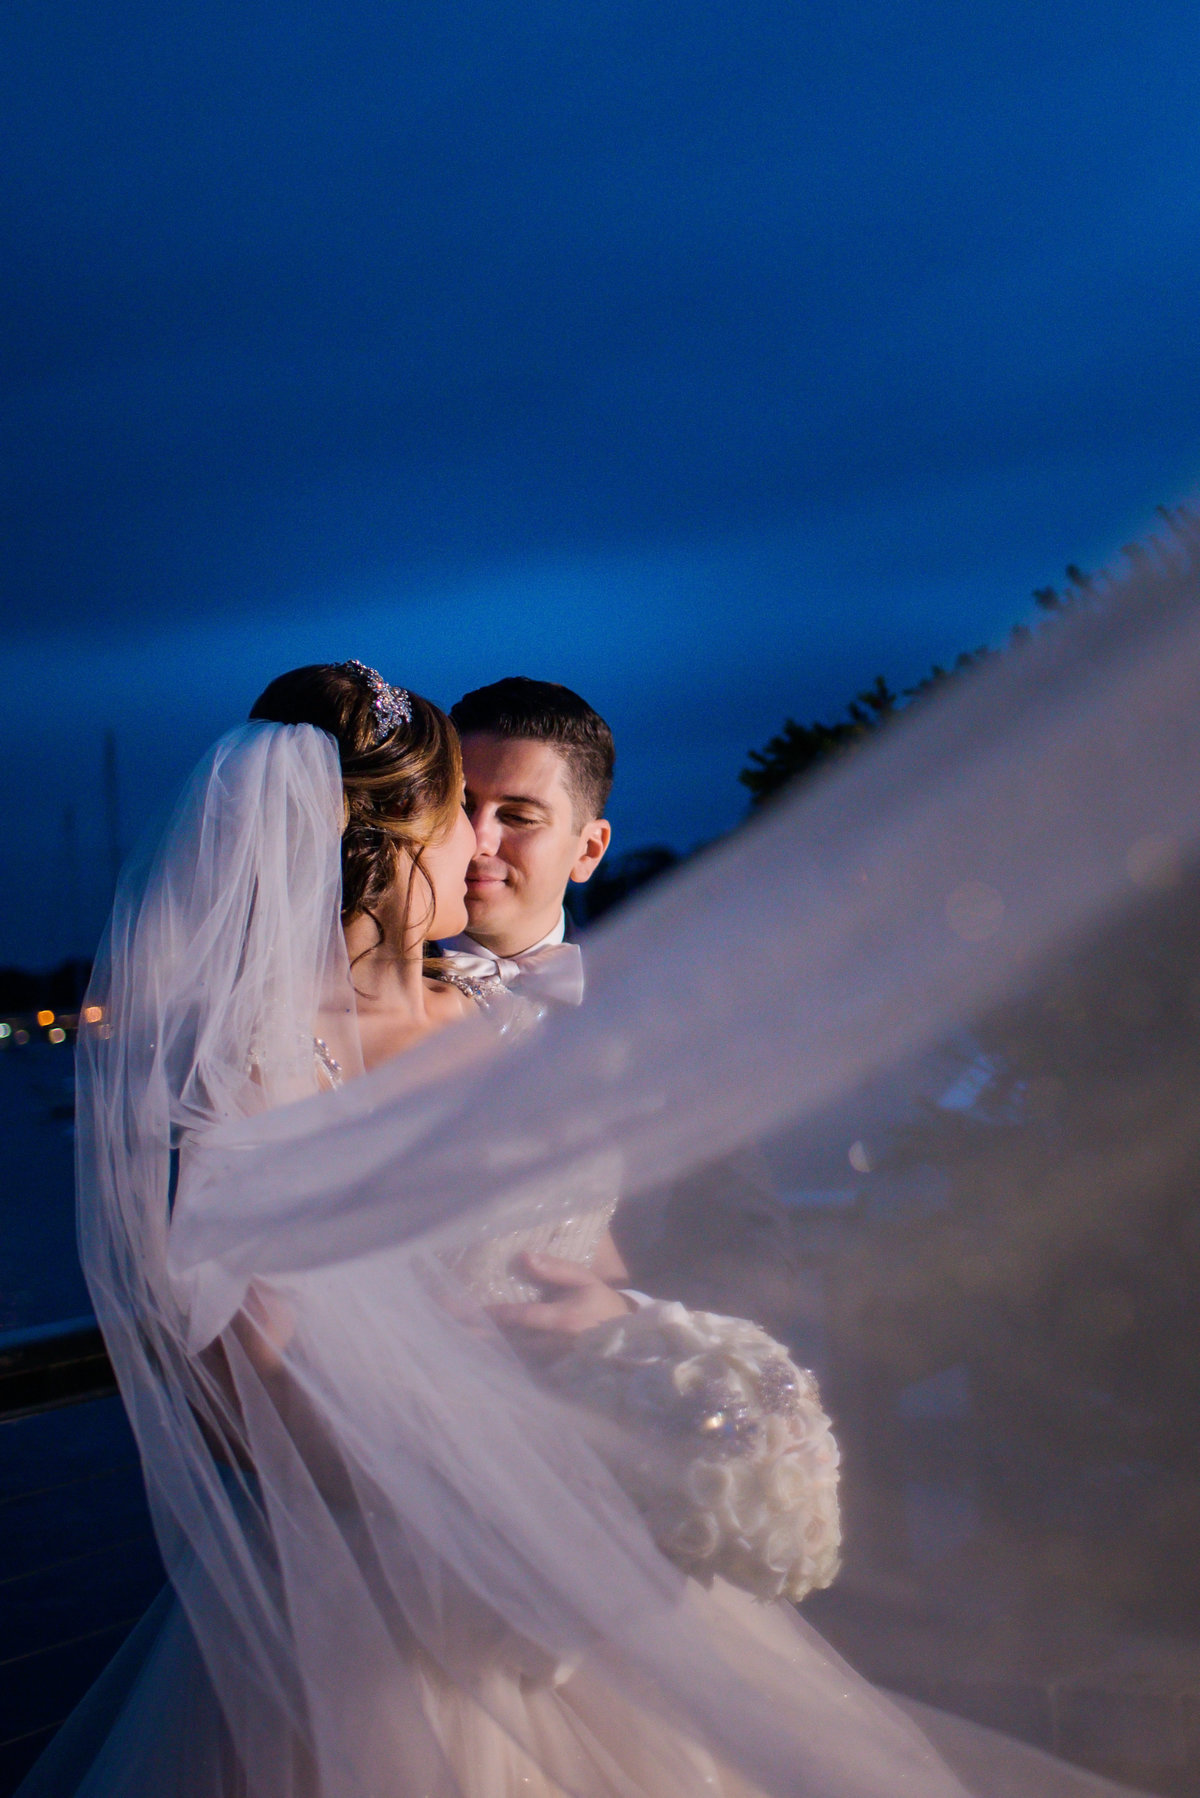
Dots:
{"x": 401, "y": 770}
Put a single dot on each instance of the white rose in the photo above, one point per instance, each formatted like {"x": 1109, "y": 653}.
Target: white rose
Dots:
{"x": 696, "y": 1538}
{"x": 775, "y": 1437}
{"x": 675, "y": 1323}
{"x": 824, "y": 1450}
{"x": 745, "y": 1476}
{"x": 789, "y": 1484}
{"x": 688, "y": 1374}
{"x": 709, "y": 1484}
{"x": 783, "y": 1548}
{"x": 746, "y": 1567}
{"x": 820, "y": 1533}
{"x": 802, "y": 1426}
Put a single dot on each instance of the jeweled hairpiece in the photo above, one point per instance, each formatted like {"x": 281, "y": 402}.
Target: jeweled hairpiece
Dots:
{"x": 390, "y": 706}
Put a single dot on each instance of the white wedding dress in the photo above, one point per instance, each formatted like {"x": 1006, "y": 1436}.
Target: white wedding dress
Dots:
{"x": 398, "y": 1564}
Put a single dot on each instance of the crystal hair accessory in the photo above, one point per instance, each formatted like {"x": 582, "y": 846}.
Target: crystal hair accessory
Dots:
{"x": 391, "y": 706}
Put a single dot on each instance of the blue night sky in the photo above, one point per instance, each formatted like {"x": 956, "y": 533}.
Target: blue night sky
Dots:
{"x": 711, "y": 359}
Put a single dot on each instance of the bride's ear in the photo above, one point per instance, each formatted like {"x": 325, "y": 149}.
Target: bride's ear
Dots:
{"x": 594, "y": 839}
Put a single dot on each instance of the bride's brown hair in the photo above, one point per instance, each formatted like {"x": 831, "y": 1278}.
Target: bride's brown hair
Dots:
{"x": 402, "y": 788}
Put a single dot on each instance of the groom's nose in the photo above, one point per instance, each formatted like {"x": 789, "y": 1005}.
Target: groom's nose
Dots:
{"x": 487, "y": 831}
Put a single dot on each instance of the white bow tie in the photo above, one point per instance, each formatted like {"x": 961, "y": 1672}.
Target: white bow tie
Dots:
{"x": 554, "y": 971}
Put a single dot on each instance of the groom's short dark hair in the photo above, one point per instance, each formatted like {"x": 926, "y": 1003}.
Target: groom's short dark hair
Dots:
{"x": 544, "y": 712}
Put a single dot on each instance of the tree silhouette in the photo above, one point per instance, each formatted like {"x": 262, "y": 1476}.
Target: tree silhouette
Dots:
{"x": 800, "y": 749}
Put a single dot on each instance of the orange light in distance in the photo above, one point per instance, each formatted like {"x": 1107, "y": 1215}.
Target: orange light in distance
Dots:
{"x": 45, "y": 1017}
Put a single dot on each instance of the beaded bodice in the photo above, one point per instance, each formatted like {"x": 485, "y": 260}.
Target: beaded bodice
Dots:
{"x": 492, "y": 1268}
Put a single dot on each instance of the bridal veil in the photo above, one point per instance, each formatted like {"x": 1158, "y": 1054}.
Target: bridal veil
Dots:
{"x": 400, "y": 1564}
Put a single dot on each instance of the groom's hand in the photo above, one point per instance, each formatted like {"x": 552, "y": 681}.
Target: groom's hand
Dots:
{"x": 583, "y": 1301}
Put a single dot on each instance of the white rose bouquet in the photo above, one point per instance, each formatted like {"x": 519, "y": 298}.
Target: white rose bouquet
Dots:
{"x": 722, "y": 1445}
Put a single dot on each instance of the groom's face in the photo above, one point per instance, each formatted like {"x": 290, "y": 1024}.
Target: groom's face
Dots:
{"x": 529, "y": 840}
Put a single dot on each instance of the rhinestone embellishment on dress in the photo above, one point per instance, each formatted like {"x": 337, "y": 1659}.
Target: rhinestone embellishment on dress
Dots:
{"x": 485, "y": 987}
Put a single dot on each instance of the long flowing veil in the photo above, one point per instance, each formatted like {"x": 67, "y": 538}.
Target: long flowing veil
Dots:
{"x": 942, "y": 1006}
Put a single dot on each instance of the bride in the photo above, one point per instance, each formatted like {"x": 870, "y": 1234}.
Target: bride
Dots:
{"x": 398, "y": 1561}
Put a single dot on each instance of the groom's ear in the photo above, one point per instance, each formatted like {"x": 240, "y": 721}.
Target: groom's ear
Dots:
{"x": 594, "y": 839}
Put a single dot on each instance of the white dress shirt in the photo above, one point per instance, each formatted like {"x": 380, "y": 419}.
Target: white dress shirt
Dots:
{"x": 551, "y": 968}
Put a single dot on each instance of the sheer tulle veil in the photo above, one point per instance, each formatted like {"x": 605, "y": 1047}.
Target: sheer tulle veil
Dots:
{"x": 369, "y": 1509}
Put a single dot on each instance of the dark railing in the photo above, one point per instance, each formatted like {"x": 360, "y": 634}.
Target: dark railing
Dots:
{"x": 51, "y": 1365}
{"x": 78, "y": 1563}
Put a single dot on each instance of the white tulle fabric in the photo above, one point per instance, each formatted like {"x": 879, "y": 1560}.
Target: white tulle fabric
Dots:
{"x": 400, "y": 1566}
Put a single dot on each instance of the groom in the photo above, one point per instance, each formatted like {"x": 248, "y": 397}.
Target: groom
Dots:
{"x": 538, "y": 762}
{"x": 538, "y": 765}
{"x": 538, "y": 769}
